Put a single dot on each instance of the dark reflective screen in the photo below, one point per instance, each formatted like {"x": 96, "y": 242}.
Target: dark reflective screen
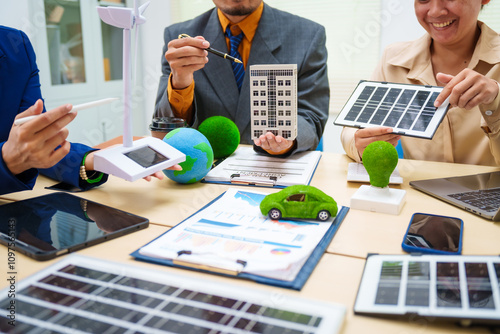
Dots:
{"x": 60, "y": 221}
{"x": 434, "y": 232}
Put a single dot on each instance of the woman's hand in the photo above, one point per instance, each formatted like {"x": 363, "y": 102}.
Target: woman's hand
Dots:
{"x": 467, "y": 89}
{"x": 364, "y": 137}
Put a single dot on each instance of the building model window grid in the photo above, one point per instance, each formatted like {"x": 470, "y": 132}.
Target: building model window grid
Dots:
{"x": 273, "y": 100}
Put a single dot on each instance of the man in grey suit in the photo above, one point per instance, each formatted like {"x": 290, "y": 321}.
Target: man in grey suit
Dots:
{"x": 194, "y": 88}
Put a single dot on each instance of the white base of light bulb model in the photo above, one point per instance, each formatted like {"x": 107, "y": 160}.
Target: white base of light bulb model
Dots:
{"x": 375, "y": 199}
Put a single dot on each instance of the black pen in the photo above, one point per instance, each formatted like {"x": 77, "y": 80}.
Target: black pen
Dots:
{"x": 216, "y": 52}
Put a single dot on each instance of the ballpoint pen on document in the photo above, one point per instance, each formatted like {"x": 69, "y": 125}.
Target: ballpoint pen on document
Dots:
{"x": 77, "y": 107}
{"x": 217, "y": 52}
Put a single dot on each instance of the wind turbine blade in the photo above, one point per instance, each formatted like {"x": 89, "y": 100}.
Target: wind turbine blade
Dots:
{"x": 139, "y": 19}
{"x": 136, "y": 53}
{"x": 115, "y": 16}
{"x": 143, "y": 7}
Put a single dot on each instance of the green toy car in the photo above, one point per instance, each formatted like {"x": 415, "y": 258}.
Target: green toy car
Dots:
{"x": 299, "y": 202}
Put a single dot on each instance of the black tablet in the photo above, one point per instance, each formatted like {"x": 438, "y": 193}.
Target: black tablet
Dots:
{"x": 51, "y": 225}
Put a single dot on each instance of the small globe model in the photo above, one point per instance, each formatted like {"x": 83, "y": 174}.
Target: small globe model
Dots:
{"x": 222, "y": 134}
{"x": 199, "y": 155}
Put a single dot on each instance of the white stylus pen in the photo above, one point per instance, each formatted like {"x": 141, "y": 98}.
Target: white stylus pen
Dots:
{"x": 78, "y": 107}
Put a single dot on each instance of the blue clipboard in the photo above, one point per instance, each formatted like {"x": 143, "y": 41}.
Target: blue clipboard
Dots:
{"x": 295, "y": 284}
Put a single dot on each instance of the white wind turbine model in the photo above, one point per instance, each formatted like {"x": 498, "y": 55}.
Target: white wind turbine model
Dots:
{"x": 140, "y": 158}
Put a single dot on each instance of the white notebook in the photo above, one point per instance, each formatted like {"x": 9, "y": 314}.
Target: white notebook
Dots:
{"x": 356, "y": 172}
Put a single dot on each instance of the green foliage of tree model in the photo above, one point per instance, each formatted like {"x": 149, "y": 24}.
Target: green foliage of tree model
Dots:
{"x": 223, "y": 135}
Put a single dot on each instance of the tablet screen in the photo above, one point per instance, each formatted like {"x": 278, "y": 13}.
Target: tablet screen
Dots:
{"x": 50, "y": 225}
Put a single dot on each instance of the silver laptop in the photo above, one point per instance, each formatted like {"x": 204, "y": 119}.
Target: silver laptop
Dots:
{"x": 479, "y": 193}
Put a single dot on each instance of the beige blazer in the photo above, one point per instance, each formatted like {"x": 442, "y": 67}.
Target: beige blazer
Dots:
{"x": 464, "y": 136}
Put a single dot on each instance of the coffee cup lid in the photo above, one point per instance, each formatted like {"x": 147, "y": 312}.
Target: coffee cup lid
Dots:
{"x": 166, "y": 124}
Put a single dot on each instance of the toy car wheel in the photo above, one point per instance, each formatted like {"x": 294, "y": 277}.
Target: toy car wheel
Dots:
{"x": 274, "y": 214}
{"x": 323, "y": 215}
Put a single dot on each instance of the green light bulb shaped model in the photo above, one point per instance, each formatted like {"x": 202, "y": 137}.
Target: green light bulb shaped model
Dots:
{"x": 380, "y": 159}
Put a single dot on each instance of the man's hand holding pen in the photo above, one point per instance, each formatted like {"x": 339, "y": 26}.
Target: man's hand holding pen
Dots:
{"x": 185, "y": 56}
{"x": 189, "y": 54}
{"x": 216, "y": 52}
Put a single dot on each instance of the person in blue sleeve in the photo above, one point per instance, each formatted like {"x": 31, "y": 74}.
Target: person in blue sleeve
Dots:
{"x": 38, "y": 145}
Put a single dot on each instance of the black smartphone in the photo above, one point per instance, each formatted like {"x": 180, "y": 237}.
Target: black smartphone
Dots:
{"x": 51, "y": 225}
{"x": 434, "y": 234}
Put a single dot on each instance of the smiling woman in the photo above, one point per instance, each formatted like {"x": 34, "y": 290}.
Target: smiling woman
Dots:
{"x": 451, "y": 25}
{"x": 461, "y": 54}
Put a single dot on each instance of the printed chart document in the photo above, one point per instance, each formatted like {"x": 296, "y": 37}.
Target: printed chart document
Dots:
{"x": 231, "y": 236}
{"x": 246, "y": 167}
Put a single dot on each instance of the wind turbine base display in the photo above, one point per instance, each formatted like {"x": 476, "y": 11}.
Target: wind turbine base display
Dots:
{"x": 134, "y": 159}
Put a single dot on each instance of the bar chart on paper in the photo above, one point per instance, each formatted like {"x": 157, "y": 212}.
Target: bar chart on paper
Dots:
{"x": 233, "y": 229}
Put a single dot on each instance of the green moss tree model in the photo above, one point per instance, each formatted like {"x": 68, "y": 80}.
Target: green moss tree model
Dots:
{"x": 223, "y": 135}
{"x": 380, "y": 158}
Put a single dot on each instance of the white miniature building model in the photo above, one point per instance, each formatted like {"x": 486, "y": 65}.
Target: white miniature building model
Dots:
{"x": 273, "y": 100}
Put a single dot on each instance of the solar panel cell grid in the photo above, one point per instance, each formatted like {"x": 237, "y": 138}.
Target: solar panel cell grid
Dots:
{"x": 79, "y": 298}
{"x": 408, "y": 109}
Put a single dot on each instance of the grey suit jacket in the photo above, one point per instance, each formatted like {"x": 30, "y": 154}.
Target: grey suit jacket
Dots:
{"x": 281, "y": 38}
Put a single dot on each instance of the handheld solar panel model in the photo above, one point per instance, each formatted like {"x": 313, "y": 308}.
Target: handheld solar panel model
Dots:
{"x": 455, "y": 288}
{"x": 408, "y": 109}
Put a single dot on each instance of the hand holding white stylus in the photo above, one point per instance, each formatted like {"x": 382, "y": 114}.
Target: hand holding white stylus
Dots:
{"x": 77, "y": 107}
